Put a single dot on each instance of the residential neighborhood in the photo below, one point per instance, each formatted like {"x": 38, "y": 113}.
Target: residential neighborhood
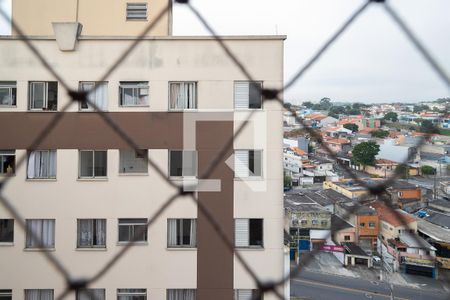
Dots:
{"x": 403, "y": 232}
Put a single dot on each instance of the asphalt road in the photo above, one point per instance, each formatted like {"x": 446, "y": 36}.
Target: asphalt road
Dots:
{"x": 319, "y": 286}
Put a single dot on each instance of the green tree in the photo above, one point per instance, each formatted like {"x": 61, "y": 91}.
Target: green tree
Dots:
{"x": 420, "y": 108}
{"x": 427, "y": 170}
{"x": 308, "y": 104}
{"x": 352, "y": 127}
{"x": 335, "y": 111}
{"x": 287, "y": 181}
{"x": 380, "y": 133}
{"x": 325, "y": 103}
{"x": 427, "y": 126}
{"x": 364, "y": 153}
{"x": 391, "y": 116}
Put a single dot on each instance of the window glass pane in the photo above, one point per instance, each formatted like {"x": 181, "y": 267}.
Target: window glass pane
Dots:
{"x": 186, "y": 231}
{"x": 181, "y": 294}
{"x": 38, "y": 294}
{"x": 176, "y": 163}
{"x": 8, "y": 93}
{"x": 189, "y": 163}
{"x": 134, "y": 93}
{"x": 40, "y": 233}
{"x": 37, "y": 94}
{"x": 100, "y": 163}
{"x": 132, "y": 161}
{"x": 182, "y": 95}
{"x": 52, "y": 96}
{"x": 5, "y": 294}
{"x": 256, "y": 232}
{"x": 86, "y": 163}
{"x": 140, "y": 232}
{"x": 131, "y": 294}
{"x": 6, "y": 230}
{"x": 255, "y": 161}
{"x": 91, "y": 294}
{"x": 85, "y": 232}
{"x": 254, "y": 95}
{"x": 124, "y": 233}
{"x": 7, "y": 162}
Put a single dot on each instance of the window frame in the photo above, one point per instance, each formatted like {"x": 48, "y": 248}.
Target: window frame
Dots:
{"x": 127, "y": 18}
{"x": 254, "y": 293}
{"x": 178, "y": 230}
{"x": 48, "y": 166}
{"x": 9, "y": 153}
{"x": 4, "y": 293}
{"x": 40, "y": 293}
{"x": 168, "y": 297}
{"x": 92, "y": 246}
{"x": 11, "y": 86}
{"x": 93, "y": 164}
{"x": 125, "y": 292}
{"x": 27, "y": 246}
{"x": 86, "y": 290}
{"x": 248, "y": 106}
{"x": 250, "y": 246}
{"x": 195, "y": 83}
{"x": 182, "y": 169}
{"x": 8, "y": 242}
{"x": 250, "y": 177}
{"x": 133, "y": 85}
{"x": 146, "y": 158}
{"x": 132, "y": 232}
{"x": 94, "y": 83}
{"x": 31, "y": 93}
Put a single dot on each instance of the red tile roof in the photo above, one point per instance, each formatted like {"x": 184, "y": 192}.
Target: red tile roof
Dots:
{"x": 388, "y": 215}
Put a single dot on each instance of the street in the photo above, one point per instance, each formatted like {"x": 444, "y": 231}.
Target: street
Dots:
{"x": 315, "y": 285}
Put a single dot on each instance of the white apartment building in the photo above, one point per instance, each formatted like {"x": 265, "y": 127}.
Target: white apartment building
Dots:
{"x": 86, "y": 194}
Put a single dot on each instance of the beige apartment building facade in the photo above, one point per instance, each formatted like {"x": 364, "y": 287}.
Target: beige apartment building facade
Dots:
{"x": 86, "y": 194}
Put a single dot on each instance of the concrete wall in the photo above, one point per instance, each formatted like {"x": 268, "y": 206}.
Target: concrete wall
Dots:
{"x": 99, "y": 17}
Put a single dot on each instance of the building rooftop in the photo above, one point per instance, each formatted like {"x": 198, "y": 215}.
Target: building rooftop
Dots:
{"x": 438, "y": 218}
{"x": 414, "y": 241}
{"x": 329, "y": 196}
{"x": 338, "y": 224}
{"x": 353, "y": 249}
{"x": 400, "y": 184}
{"x": 338, "y": 141}
{"x": 434, "y": 231}
{"x": 388, "y": 215}
{"x": 360, "y": 210}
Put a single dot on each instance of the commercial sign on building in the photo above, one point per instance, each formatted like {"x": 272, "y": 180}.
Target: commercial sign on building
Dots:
{"x": 443, "y": 262}
{"x": 332, "y": 248}
{"x": 418, "y": 261}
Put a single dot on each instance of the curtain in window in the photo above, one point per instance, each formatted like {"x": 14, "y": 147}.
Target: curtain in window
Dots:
{"x": 86, "y": 228}
{"x": 38, "y": 294}
{"x": 101, "y": 95}
{"x": 91, "y": 294}
{"x": 100, "y": 232}
{"x": 182, "y": 95}
{"x": 193, "y": 233}
{"x": 172, "y": 232}
{"x": 40, "y": 233}
{"x": 42, "y": 164}
{"x": 181, "y": 294}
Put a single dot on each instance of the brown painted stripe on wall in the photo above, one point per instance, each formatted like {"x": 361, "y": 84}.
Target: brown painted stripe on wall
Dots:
{"x": 150, "y": 130}
{"x": 214, "y": 259}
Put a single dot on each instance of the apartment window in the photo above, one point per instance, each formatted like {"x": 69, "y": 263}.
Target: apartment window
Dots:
{"x": 346, "y": 238}
{"x": 247, "y": 95}
{"x": 181, "y": 294}
{"x": 41, "y": 164}
{"x": 97, "y": 95}
{"x": 6, "y": 230}
{"x": 91, "y": 233}
{"x": 371, "y": 224}
{"x": 133, "y": 93}
{"x": 7, "y": 162}
{"x": 183, "y": 95}
{"x": 131, "y": 294}
{"x": 40, "y": 233}
{"x": 132, "y": 161}
{"x": 182, "y": 163}
{"x": 43, "y": 95}
{"x": 136, "y": 11}
{"x": 304, "y": 222}
{"x": 93, "y": 163}
{"x": 8, "y": 92}
{"x": 90, "y": 294}
{"x": 182, "y": 233}
{"x": 247, "y": 294}
{"x": 362, "y": 224}
{"x": 38, "y": 294}
{"x": 249, "y": 233}
{"x": 132, "y": 230}
{"x": 314, "y": 222}
{"x": 247, "y": 163}
{"x": 5, "y": 294}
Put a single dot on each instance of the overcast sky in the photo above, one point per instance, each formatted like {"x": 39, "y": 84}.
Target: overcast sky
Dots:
{"x": 372, "y": 62}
